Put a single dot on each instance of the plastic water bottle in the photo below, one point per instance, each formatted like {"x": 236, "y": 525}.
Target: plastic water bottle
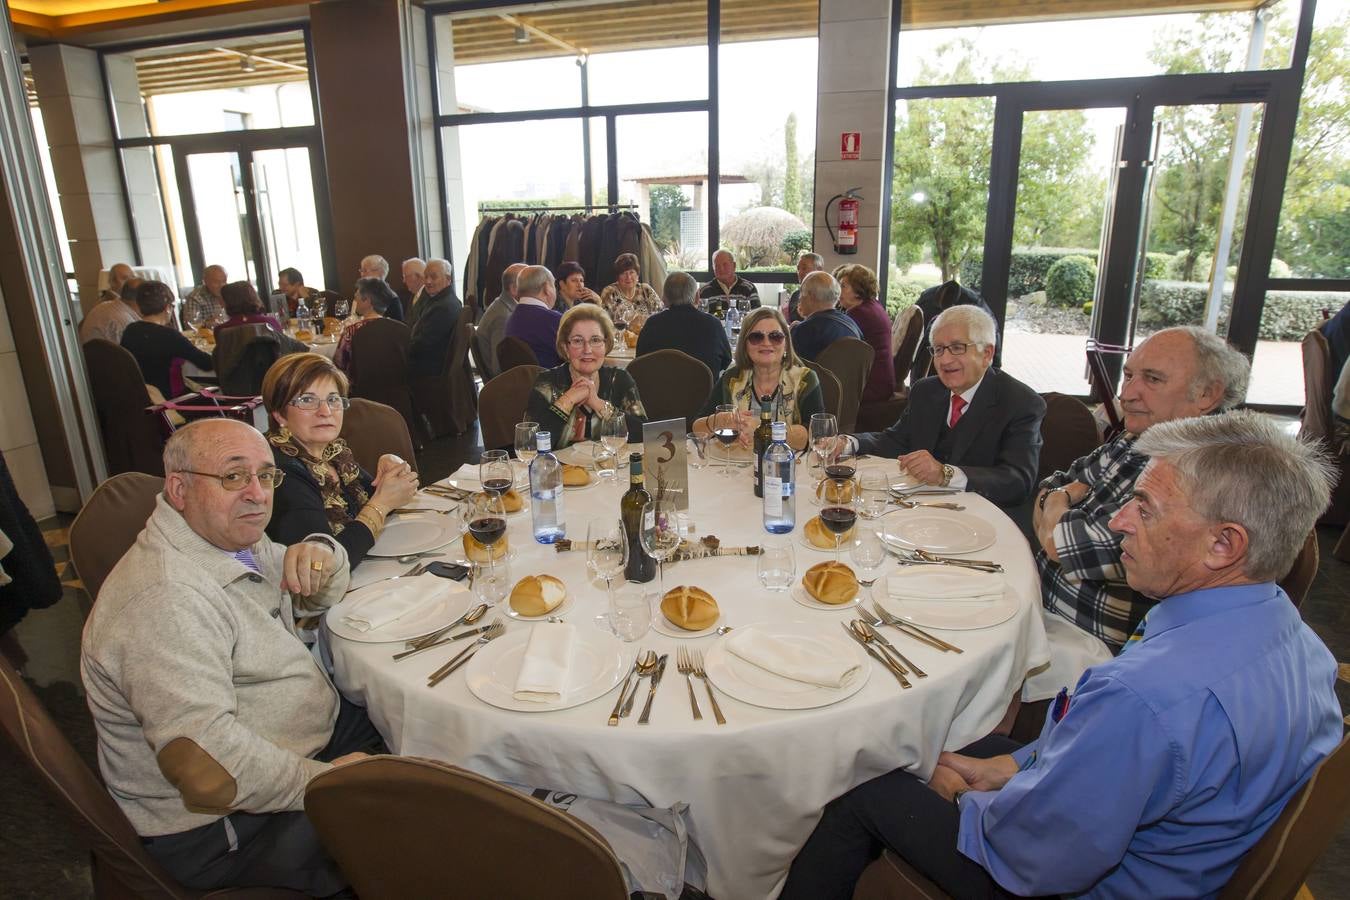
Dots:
{"x": 546, "y": 492}
{"x": 780, "y": 508}
{"x": 302, "y": 319}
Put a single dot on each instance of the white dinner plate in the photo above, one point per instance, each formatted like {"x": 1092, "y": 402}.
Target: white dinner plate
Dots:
{"x": 599, "y": 663}
{"x": 801, "y": 596}
{"x": 581, "y": 453}
{"x": 415, "y": 534}
{"x": 556, "y": 611}
{"x": 938, "y": 530}
{"x": 736, "y": 456}
{"x": 450, "y": 605}
{"x": 758, "y": 687}
{"x": 957, "y": 615}
{"x": 662, "y": 625}
{"x": 844, "y": 543}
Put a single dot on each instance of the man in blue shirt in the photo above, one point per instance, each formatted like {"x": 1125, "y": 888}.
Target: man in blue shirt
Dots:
{"x": 823, "y": 322}
{"x": 1167, "y": 763}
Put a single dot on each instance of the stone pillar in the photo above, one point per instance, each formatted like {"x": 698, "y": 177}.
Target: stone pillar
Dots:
{"x": 852, "y": 93}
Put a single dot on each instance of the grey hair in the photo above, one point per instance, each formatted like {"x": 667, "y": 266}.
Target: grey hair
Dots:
{"x": 816, "y": 260}
{"x": 413, "y": 259}
{"x": 722, "y": 251}
{"x": 679, "y": 289}
{"x": 532, "y": 281}
{"x": 1244, "y": 467}
{"x": 444, "y": 264}
{"x": 980, "y": 326}
{"x": 380, "y": 263}
{"x": 185, "y": 445}
{"x": 509, "y": 276}
{"x": 820, "y": 291}
{"x": 1216, "y": 362}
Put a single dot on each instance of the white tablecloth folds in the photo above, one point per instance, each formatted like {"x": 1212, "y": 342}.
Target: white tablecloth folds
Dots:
{"x": 548, "y": 656}
{"x": 376, "y": 606}
{"x": 755, "y": 786}
{"x": 797, "y": 663}
{"x": 944, "y": 583}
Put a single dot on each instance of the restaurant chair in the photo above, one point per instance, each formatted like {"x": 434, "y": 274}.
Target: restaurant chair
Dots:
{"x": 1068, "y": 431}
{"x": 244, "y": 353}
{"x": 108, "y": 523}
{"x": 478, "y": 354}
{"x": 1103, "y": 388}
{"x": 379, "y": 366}
{"x": 373, "y": 429}
{"x": 1319, "y": 383}
{"x": 502, "y": 404}
{"x": 404, "y": 827}
{"x": 877, "y": 415}
{"x": 132, "y": 441}
{"x": 891, "y": 878}
{"x": 830, "y": 390}
{"x": 512, "y": 352}
{"x": 120, "y": 867}
{"x": 850, "y": 359}
{"x": 672, "y": 384}
{"x": 1299, "y": 578}
{"x": 448, "y": 402}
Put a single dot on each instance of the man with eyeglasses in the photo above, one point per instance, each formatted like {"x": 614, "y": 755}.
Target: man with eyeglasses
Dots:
{"x": 211, "y": 715}
{"x": 969, "y": 426}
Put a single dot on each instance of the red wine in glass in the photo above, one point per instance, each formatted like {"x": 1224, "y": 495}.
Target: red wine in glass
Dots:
{"x": 838, "y": 519}
{"x": 726, "y": 435}
{"x": 487, "y": 530}
{"x": 498, "y": 486}
{"x": 841, "y": 471}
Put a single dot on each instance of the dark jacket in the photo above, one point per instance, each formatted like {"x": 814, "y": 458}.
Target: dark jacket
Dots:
{"x": 819, "y": 330}
{"x": 297, "y": 510}
{"x": 432, "y": 332}
{"x": 997, "y": 442}
{"x": 156, "y": 347}
{"x": 691, "y": 330}
{"x": 933, "y": 301}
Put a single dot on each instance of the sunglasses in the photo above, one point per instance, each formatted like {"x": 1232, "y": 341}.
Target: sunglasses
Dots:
{"x": 759, "y": 337}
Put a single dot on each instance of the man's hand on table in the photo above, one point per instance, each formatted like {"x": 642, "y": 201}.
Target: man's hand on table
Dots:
{"x": 307, "y": 567}
{"x": 922, "y": 466}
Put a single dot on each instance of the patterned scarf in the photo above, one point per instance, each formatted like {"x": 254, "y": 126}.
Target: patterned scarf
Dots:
{"x": 336, "y": 491}
{"x": 741, "y": 389}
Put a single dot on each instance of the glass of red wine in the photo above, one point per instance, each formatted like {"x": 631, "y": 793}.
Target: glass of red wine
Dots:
{"x": 485, "y": 517}
{"x": 726, "y": 429}
{"x": 838, "y": 518}
{"x": 494, "y": 472}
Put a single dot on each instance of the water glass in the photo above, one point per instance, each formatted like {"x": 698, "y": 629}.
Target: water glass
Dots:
{"x": 697, "y": 450}
{"x": 606, "y": 460}
{"x": 777, "y": 565}
{"x": 630, "y": 611}
{"x": 868, "y": 552}
{"x": 875, "y": 494}
{"x": 525, "y": 444}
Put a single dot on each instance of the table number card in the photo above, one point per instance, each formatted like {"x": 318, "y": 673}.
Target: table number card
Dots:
{"x": 665, "y": 470}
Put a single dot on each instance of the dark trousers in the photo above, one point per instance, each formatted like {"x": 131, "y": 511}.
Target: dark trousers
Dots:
{"x": 896, "y": 811}
{"x": 266, "y": 849}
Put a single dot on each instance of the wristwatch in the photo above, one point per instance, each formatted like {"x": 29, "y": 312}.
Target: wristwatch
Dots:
{"x": 948, "y": 472}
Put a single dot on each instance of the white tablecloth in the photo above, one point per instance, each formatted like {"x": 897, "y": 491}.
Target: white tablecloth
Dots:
{"x": 756, "y": 786}
{"x": 327, "y": 347}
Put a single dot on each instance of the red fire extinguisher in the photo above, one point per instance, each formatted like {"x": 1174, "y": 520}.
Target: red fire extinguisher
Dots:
{"x": 846, "y": 241}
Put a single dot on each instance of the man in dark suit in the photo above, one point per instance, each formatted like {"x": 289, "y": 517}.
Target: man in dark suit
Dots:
{"x": 683, "y": 326}
{"x": 434, "y": 319}
{"x": 969, "y": 426}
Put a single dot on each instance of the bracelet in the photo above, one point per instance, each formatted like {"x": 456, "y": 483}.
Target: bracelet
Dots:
{"x": 373, "y": 518}
{"x": 1040, "y": 504}
{"x": 956, "y": 797}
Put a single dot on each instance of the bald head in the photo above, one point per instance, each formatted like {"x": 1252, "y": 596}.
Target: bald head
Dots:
{"x": 819, "y": 292}
{"x": 214, "y": 278}
{"x": 117, "y": 276}
{"x": 195, "y": 459}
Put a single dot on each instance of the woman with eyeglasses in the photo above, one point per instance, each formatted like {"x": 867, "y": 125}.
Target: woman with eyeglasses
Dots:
{"x": 765, "y": 368}
{"x": 324, "y": 489}
{"x": 571, "y": 400}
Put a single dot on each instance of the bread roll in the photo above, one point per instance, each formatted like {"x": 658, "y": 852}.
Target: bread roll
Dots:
{"x": 512, "y": 501}
{"x": 304, "y": 335}
{"x": 630, "y": 338}
{"x": 537, "y": 595}
{"x": 690, "y": 608}
{"x": 575, "y": 476}
{"x": 831, "y": 491}
{"x": 478, "y": 552}
{"x": 831, "y": 582}
{"x": 332, "y": 325}
{"x": 822, "y": 537}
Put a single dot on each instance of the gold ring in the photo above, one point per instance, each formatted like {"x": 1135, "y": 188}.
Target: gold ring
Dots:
{"x": 316, "y": 566}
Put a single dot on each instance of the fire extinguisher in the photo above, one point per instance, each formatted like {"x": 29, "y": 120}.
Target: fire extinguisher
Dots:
{"x": 846, "y": 241}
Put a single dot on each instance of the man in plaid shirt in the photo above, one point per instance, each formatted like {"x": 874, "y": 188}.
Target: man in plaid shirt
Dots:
{"x": 204, "y": 304}
{"x": 1175, "y": 374}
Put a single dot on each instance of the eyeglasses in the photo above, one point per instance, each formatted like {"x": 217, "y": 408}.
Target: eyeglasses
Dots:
{"x": 759, "y": 337}
{"x": 581, "y": 343}
{"x": 238, "y": 479}
{"x": 957, "y": 349}
{"x": 310, "y": 402}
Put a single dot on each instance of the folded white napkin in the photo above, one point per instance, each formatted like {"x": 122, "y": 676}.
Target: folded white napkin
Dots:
{"x": 944, "y": 583}
{"x": 790, "y": 661}
{"x": 383, "y": 603}
{"x": 548, "y": 656}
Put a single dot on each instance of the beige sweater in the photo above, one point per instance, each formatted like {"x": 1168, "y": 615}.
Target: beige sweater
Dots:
{"x": 204, "y": 700}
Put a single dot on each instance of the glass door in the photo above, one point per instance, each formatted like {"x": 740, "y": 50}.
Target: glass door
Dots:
{"x": 217, "y": 213}
{"x": 287, "y": 218}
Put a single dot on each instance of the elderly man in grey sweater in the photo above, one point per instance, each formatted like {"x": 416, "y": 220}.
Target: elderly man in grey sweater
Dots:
{"x": 211, "y": 714}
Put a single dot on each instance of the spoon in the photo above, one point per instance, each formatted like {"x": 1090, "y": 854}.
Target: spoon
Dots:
{"x": 623, "y": 691}
{"x": 412, "y": 556}
{"x": 723, "y": 629}
{"x": 431, "y": 639}
{"x": 646, "y": 665}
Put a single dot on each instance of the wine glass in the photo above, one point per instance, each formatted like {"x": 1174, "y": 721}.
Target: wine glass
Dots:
{"x": 526, "y": 449}
{"x": 725, "y": 429}
{"x": 824, "y": 427}
{"x": 613, "y": 431}
{"x": 341, "y": 308}
{"x": 494, "y": 472}
{"x": 660, "y": 533}
{"x": 485, "y": 517}
{"x": 839, "y": 518}
{"x": 842, "y": 463}
{"x": 606, "y": 550}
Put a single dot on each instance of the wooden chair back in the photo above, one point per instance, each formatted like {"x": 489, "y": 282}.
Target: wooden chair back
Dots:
{"x": 672, "y": 384}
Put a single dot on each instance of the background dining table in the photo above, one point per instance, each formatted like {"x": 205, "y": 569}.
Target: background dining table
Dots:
{"x": 756, "y": 786}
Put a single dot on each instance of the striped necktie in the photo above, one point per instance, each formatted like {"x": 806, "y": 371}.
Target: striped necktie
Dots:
{"x": 1138, "y": 633}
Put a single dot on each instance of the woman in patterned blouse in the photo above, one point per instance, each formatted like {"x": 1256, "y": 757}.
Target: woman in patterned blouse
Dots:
{"x": 640, "y": 296}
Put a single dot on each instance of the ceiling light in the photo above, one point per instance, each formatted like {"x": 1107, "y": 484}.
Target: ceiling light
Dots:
{"x": 522, "y": 36}
{"x": 246, "y": 63}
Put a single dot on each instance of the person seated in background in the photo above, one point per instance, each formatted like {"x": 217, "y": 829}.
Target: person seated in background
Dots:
{"x": 158, "y": 346}
{"x": 726, "y": 285}
{"x": 534, "y": 320}
{"x": 372, "y": 299}
{"x": 570, "y": 400}
{"x": 491, "y": 327}
{"x": 806, "y": 264}
{"x": 413, "y": 271}
{"x": 326, "y": 491}
{"x": 969, "y": 426}
{"x": 572, "y": 286}
{"x": 204, "y": 305}
{"x": 244, "y": 307}
{"x": 211, "y": 715}
{"x": 109, "y": 318}
{"x": 822, "y": 322}
{"x": 637, "y": 296}
{"x": 1167, "y": 763}
{"x": 291, "y": 284}
{"x": 376, "y": 266}
{"x": 858, "y": 297}
{"x": 685, "y": 327}
{"x": 117, "y": 276}
{"x": 434, "y": 321}
{"x": 764, "y": 370}
{"x": 1337, "y": 332}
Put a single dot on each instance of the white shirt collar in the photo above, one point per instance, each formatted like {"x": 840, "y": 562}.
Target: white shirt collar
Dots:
{"x": 970, "y": 394}
{"x": 531, "y": 301}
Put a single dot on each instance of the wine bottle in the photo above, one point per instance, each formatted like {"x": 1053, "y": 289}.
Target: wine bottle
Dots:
{"x": 763, "y": 437}
{"x": 641, "y": 566}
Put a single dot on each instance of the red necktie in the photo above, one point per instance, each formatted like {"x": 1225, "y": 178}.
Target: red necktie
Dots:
{"x": 958, "y": 406}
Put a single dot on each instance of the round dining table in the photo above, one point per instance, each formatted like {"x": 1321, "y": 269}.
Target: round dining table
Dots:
{"x": 755, "y": 787}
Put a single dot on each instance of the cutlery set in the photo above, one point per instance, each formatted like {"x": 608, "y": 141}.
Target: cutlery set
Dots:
{"x": 925, "y": 558}
{"x": 688, "y": 663}
{"x": 864, "y": 631}
{"x": 492, "y": 632}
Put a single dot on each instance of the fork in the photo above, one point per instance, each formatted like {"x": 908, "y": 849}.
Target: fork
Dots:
{"x": 686, "y": 668}
{"x": 882, "y": 616}
{"x": 696, "y": 658}
{"x": 464, "y": 655}
{"x": 871, "y": 631}
{"x": 913, "y": 504}
{"x": 424, "y": 509}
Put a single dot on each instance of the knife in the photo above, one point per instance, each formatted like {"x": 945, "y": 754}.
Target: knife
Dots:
{"x": 904, "y": 660}
{"x": 472, "y": 632}
{"x": 872, "y": 652}
{"x": 623, "y": 692}
{"x": 651, "y": 690}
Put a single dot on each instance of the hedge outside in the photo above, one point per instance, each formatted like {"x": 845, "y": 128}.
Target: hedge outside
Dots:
{"x": 1070, "y": 281}
{"x": 1030, "y": 266}
{"x": 1286, "y": 316}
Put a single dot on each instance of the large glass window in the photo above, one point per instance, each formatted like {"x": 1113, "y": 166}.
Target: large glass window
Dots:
{"x": 663, "y": 173}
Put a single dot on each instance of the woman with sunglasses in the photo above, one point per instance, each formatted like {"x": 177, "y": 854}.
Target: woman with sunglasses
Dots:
{"x": 571, "y": 400}
{"x": 764, "y": 368}
{"x": 324, "y": 489}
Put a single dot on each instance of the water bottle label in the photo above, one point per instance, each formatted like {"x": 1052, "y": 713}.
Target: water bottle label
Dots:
{"x": 773, "y": 496}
